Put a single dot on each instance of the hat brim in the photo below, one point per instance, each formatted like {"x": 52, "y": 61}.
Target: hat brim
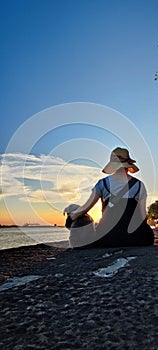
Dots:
{"x": 111, "y": 167}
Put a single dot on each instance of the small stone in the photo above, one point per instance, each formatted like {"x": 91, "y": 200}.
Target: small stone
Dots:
{"x": 58, "y": 275}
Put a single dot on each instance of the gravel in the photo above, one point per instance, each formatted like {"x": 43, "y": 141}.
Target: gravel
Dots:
{"x": 71, "y": 307}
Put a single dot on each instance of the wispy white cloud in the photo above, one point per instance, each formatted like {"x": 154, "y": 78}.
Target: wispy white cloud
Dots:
{"x": 39, "y": 179}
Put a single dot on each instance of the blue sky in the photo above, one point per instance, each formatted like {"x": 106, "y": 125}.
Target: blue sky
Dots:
{"x": 99, "y": 51}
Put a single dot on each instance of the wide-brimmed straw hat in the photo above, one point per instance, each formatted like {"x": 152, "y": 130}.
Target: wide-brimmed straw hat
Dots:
{"x": 120, "y": 158}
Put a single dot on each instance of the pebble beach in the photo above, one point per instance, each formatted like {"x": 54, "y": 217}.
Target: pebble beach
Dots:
{"x": 59, "y": 298}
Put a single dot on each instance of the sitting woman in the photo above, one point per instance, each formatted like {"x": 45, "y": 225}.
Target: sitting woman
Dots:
{"x": 123, "y": 199}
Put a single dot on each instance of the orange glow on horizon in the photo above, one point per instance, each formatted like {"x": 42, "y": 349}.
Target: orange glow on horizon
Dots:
{"x": 6, "y": 219}
{"x": 42, "y": 215}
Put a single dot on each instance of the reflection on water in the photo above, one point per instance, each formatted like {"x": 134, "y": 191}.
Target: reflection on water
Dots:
{"x": 11, "y": 237}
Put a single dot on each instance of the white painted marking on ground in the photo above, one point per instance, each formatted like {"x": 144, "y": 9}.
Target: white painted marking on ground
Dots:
{"x": 18, "y": 281}
{"x": 111, "y": 270}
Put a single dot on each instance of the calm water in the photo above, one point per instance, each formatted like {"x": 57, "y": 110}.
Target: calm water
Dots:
{"x": 16, "y": 237}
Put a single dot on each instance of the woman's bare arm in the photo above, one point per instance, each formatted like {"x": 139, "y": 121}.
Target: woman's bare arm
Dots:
{"x": 86, "y": 206}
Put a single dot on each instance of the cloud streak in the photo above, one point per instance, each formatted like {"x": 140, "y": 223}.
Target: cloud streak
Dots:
{"x": 41, "y": 179}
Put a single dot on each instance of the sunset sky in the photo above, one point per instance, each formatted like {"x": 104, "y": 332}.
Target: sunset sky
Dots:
{"x": 61, "y": 61}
